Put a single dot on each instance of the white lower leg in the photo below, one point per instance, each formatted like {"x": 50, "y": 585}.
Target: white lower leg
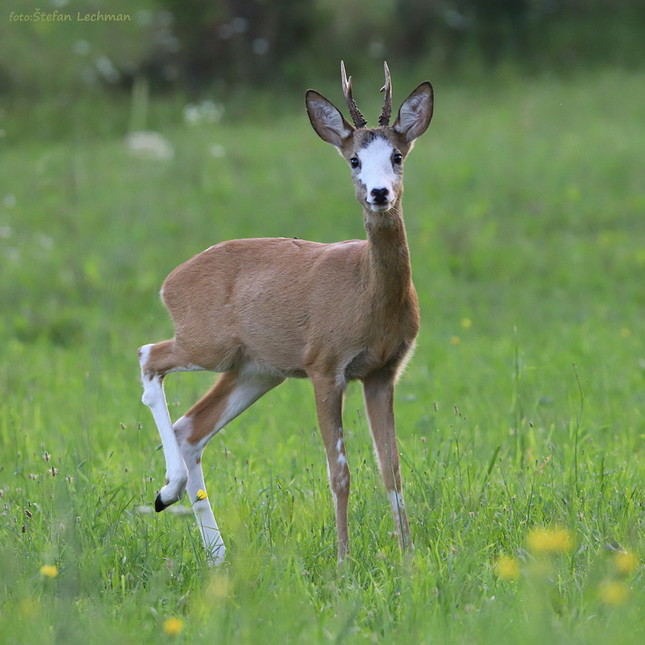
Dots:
{"x": 155, "y": 399}
{"x": 196, "y": 489}
{"x": 211, "y": 536}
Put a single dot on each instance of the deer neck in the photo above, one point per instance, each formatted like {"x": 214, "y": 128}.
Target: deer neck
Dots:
{"x": 388, "y": 257}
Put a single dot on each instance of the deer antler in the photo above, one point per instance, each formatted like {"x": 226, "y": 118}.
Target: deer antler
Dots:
{"x": 384, "y": 119}
{"x": 357, "y": 117}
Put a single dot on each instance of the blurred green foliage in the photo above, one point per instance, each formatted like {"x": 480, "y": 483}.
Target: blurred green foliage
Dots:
{"x": 197, "y": 44}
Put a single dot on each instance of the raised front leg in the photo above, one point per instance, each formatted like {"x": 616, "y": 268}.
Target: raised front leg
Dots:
{"x": 378, "y": 389}
{"x": 329, "y": 405}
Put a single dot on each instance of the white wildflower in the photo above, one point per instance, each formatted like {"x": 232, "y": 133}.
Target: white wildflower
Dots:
{"x": 152, "y": 145}
{"x": 203, "y": 112}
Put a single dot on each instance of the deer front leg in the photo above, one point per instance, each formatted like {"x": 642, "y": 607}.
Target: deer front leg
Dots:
{"x": 378, "y": 389}
{"x": 329, "y": 406}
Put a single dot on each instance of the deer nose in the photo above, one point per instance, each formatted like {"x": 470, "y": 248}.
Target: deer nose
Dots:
{"x": 380, "y": 195}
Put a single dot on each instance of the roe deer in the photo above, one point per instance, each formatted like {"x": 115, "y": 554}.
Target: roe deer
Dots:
{"x": 261, "y": 310}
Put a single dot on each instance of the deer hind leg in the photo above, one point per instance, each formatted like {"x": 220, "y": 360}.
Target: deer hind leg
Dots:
{"x": 329, "y": 406}
{"x": 233, "y": 393}
{"x": 156, "y": 361}
{"x": 378, "y": 390}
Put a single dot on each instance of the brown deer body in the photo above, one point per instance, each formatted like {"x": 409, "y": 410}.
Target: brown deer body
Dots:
{"x": 262, "y": 310}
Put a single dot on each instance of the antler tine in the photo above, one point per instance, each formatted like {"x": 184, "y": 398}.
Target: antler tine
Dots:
{"x": 384, "y": 119}
{"x": 357, "y": 117}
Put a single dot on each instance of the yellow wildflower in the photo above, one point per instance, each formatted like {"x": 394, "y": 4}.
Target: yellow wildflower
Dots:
{"x": 613, "y": 593}
{"x": 49, "y": 570}
{"x": 549, "y": 541}
{"x": 625, "y": 563}
{"x": 507, "y": 568}
{"x": 466, "y": 323}
{"x": 455, "y": 340}
{"x": 201, "y": 494}
{"x": 173, "y": 626}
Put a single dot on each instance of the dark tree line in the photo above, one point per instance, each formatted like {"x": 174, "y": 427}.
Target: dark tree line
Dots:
{"x": 243, "y": 41}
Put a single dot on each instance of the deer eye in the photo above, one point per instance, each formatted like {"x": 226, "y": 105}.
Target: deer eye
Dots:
{"x": 397, "y": 158}
{"x": 354, "y": 162}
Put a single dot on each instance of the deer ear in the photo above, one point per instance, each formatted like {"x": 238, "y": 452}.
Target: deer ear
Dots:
{"x": 326, "y": 119}
{"x": 415, "y": 113}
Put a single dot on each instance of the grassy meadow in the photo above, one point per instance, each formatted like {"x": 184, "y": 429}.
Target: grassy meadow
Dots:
{"x": 520, "y": 417}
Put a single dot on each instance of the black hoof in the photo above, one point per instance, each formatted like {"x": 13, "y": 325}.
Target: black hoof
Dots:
{"x": 159, "y": 505}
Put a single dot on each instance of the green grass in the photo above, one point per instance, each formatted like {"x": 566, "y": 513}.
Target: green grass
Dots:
{"x": 522, "y": 408}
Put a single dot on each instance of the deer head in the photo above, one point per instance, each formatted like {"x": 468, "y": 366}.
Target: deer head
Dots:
{"x": 375, "y": 155}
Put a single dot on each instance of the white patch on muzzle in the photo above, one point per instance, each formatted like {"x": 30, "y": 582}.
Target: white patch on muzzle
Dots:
{"x": 376, "y": 174}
